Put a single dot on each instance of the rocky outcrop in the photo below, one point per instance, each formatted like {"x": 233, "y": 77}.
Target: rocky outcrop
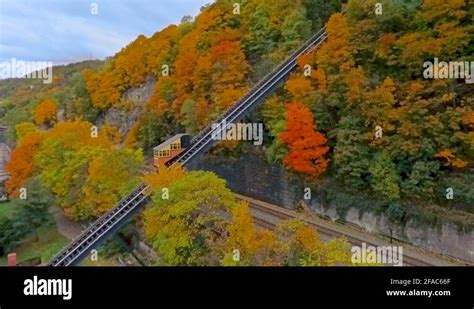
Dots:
{"x": 134, "y": 100}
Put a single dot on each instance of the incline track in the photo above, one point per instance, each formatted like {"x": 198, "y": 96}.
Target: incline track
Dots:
{"x": 111, "y": 221}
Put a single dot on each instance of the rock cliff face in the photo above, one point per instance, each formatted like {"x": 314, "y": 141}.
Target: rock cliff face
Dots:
{"x": 250, "y": 175}
{"x": 124, "y": 118}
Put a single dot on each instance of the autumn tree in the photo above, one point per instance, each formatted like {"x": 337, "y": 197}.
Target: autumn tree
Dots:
{"x": 305, "y": 247}
{"x": 245, "y": 246}
{"x": 385, "y": 178}
{"x": 104, "y": 186}
{"x": 21, "y": 166}
{"x": 130, "y": 63}
{"x": 189, "y": 221}
{"x": 75, "y": 164}
{"x": 442, "y": 29}
{"x": 45, "y": 112}
{"x": 306, "y": 145}
{"x": 337, "y": 52}
{"x": 25, "y": 128}
{"x": 160, "y": 48}
{"x": 210, "y": 69}
{"x": 449, "y": 159}
{"x": 164, "y": 177}
{"x": 161, "y": 100}
{"x": 103, "y": 88}
{"x": 300, "y": 89}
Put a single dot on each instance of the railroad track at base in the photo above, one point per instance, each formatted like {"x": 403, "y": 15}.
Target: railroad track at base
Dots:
{"x": 268, "y": 216}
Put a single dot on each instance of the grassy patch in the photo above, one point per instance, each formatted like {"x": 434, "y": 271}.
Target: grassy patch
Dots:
{"x": 100, "y": 262}
{"x": 49, "y": 242}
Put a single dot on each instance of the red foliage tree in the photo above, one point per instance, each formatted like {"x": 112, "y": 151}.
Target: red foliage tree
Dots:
{"x": 306, "y": 145}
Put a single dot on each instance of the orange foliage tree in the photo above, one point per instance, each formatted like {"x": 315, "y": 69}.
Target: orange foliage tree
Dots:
{"x": 21, "y": 166}
{"x": 300, "y": 88}
{"x": 306, "y": 145}
{"x": 45, "y": 112}
{"x": 450, "y": 159}
{"x": 103, "y": 88}
{"x": 210, "y": 68}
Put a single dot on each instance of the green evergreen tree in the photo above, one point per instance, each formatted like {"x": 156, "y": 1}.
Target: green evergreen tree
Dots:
{"x": 34, "y": 209}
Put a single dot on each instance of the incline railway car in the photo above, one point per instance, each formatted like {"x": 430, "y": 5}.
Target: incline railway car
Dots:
{"x": 169, "y": 149}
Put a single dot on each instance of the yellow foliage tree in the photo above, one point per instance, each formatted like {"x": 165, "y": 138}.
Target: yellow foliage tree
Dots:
{"x": 305, "y": 247}
{"x": 25, "y": 128}
{"x": 164, "y": 177}
{"x": 110, "y": 176}
{"x": 247, "y": 246}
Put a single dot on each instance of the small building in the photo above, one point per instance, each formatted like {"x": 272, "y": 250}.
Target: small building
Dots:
{"x": 170, "y": 148}
{"x": 4, "y": 158}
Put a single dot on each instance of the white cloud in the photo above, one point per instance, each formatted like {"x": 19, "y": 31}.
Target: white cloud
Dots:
{"x": 66, "y": 31}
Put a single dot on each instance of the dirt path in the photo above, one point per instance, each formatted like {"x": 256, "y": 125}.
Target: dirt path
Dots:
{"x": 68, "y": 228}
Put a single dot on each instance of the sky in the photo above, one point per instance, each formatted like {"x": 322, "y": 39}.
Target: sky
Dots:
{"x": 67, "y": 31}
